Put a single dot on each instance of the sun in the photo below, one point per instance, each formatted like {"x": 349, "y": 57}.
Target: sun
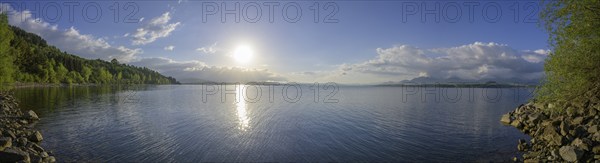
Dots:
{"x": 243, "y": 54}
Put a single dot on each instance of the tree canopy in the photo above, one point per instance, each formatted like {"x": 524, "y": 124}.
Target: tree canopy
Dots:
{"x": 573, "y": 66}
{"x": 27, "y": 58}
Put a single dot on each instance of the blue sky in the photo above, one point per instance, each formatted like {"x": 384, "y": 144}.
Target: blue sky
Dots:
{"x": 369, "y": 42}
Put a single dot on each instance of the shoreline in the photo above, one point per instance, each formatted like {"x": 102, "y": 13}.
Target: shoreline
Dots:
{"x": 19, "y": 140}
{"x": 559, "y": 131}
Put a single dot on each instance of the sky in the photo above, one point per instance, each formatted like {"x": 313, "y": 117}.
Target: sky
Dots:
{"x": 352, "y": 42}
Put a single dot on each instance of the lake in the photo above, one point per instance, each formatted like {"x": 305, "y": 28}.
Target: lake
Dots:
{"x": 190, "y": 123}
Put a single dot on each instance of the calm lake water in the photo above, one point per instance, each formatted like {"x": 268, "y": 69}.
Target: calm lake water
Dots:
{"x": 275, "y": 123}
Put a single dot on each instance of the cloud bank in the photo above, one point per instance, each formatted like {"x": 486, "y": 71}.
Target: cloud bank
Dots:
{"x": 196, "y": 71}
{"x": 477, "y": 61}
{"x": 70, "y": 40}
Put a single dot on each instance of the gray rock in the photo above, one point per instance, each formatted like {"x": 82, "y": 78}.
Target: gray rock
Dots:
{"x": 558, "y": 140}
{"x": 522, "y": 145}
{"x": 564, "y": 128}
{"x": 44, "y": 154}
{"x": 549, "y": 132}
{"x": 554, "y": 153}
{"x": 505, "y": 118}
{"x": 5, "y": 142}
{"x": 577, "y": 120}
{"x": 535, "y": 117}
{"x": 13, "y": 155}
{"x": 593, "y": 129}
{"x": 36, "y": 147}
{"x": 36, "y": 137}
{"x": 596, "y": 149}
{"x": 31, "y": 115}
{"x": 516, "y": 123}
{"x": 579, "y": 131}
{"x": 50, "y": 159}
{"x": 22, "y": 141}
{"x": 569, "y": 153}
{"x": 580, "y": 144}
{"x": 596, "y": 136}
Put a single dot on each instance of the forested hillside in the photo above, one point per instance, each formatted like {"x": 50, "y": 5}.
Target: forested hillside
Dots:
{"x": 27, "y": 58}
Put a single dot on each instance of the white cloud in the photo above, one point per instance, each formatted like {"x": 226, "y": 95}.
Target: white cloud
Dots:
{"x": 70, "y": 40}
{"x": 536, "y": 56}
{"x": 477, "y": 61}
{"x": 195, "y": 71}
{"x": 212, "y": 49}
{"x": 157, "y": 27}
{"x": 169, "y": 48}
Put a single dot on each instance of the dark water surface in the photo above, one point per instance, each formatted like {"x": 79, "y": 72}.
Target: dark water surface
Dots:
{"x": 173, "y": 123}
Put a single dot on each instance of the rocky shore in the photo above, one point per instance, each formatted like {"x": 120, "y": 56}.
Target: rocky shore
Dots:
{"x": 19, "y": 141}
{"x": 561, "y": 131}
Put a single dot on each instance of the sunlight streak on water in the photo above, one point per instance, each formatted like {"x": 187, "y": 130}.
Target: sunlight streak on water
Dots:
{"x": 241, "y": 107}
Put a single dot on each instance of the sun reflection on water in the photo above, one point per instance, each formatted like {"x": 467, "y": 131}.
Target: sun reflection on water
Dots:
{"x": 241, "y": 108}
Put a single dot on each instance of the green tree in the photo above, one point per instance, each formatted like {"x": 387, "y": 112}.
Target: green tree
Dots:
{"x": 61, "y": 73}
{"x": 573, "y": 66}
{"x": 49, "y": 73}
{"x": 26, "y": 57}
{"x": 114, "y": 61}
{"x": 86, "y": 72}
{"x": 104, "y": 76}
{"x": 75, "y": 77}
{"x": 6, "y": 59}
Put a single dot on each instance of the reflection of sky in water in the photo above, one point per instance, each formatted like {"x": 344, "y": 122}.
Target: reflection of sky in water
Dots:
{"x": 241, "y": 107}
{"x": 172, "y": 124}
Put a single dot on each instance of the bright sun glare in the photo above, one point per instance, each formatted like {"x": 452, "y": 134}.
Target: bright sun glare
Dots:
{"x": 243, "y": 54}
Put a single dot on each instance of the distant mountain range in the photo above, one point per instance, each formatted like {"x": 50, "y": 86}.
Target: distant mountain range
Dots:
{"x": 462, "y": 82}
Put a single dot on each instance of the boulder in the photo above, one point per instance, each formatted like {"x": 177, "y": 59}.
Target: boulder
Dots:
{"x": 577, "y": 120}
{"x": 549, "y": 133}
{"x": 570, "y": 153}
{"x": 579, "y": 131}
{"x": 579, "y": 143}
{"x": 44, "y": 154}
{"x": 558, "y": 140}
{"x": 596, "y": 149}
{"x": 516, "y": 123}
{"x": 522, "y": 145}
{"x": 593, "y": 129}
{"x": 22, "y": 141}
{"x": 5, "y": 142}
{"x": 50, "y": 159}
{"x": 36, "y": 137}
{"x": 13, "y": 155}
{"x": 31, "y": 115}
{"x": 564, "y": 128}
{"x": 505, "y": 118}
{"x": 596, "y": 136}
{"x": 535, "y": 117}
